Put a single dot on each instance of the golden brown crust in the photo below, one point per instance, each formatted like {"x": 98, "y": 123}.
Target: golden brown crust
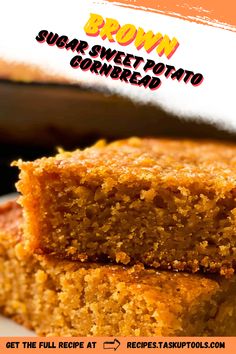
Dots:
{"x": 165, "y": 161}
{"x": 11, "y": 220}
{"x": 165, "y": 203}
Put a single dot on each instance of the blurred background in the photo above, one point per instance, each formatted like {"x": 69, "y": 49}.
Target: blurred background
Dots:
{"x": 39, "y": 113}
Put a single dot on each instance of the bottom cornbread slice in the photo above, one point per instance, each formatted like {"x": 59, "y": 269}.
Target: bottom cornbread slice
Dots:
{"x": 62, "y": 298}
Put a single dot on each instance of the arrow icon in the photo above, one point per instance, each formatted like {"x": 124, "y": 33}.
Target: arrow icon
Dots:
{"x": 111, "y": 345}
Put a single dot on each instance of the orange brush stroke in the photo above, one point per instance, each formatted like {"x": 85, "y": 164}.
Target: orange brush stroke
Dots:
{"x": 211, "y": 12}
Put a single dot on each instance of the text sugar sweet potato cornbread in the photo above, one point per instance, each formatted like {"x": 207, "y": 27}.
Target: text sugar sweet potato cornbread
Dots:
{"x": 164, "y": 203}
{"x": 65, "y": 298}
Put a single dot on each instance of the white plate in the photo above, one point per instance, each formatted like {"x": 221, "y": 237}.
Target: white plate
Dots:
{"x": 8, "y": 327}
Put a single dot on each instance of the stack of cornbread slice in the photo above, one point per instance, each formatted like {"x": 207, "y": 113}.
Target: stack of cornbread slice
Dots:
{"x": 137, "y": 237}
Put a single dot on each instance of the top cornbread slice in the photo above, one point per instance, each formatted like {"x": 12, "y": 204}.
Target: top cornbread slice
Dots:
{"x": 165, "y": 203}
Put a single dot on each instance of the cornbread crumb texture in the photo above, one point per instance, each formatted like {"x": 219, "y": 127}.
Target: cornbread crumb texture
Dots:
{"x": 165, "y": 203}
{"x": 73, "y": 299}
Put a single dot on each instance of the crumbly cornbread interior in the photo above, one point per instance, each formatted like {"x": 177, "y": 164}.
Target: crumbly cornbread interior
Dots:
{"x": 65, "y": 298}
{"x": 165, "y": 203}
